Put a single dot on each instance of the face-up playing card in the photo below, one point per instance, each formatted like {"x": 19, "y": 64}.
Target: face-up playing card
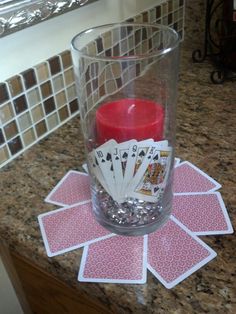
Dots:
{"x": 188, "y": 178}
{"x": 73, "y": 188}
{"x": 142, "y": 153}
{"x": 154, "y": 179}
{"x": 136, "y": 150}
{"x": 96, "y": 171}
{"x": 118, "y": 259}
{"x": 119, "y": 160}
{"x": 69, "y": 228}
{"x": 104, "y": 157}
{"x": 174, "y": 253}
{"x": 123, "y": 149}
{"x": 203, "y": 214}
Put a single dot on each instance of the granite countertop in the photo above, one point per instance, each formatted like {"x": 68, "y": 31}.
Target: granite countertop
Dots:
{"x": 205, "y": 137}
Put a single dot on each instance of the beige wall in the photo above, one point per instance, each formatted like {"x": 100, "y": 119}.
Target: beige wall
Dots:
{"x": 9, "y": 303}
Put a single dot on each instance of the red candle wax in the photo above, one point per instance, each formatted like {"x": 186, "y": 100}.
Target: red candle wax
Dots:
{"x": 129, "y": 118}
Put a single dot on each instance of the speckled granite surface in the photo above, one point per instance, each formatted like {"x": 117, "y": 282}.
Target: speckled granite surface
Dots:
{"x": 205, "y": 136}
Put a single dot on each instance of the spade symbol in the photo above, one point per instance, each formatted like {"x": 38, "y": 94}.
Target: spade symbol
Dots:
{"x": 125, "y": 155}
{"x": 133, "y": 155}
{"x": 117, "y": 158}
{"x": 108, "y": 156}
{"x": 156, "y": 157}
{"x": 142, "y": 154}
{"x": 103, "y": 160}
{"x": 149, "y": 156}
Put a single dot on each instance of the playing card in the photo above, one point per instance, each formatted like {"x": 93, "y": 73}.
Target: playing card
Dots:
{"x": 165, "y": 161}
{"x": 117, "y": 168}
{"x": 203, "y": 214}
{"x": 154, "y": 179}
{"x": 128, "y": 162}
{"x": 138, "y": 159}
{"x": 119, "y": 259}
{"x": 96, "y": 171}
{"x": 174, "y": 253}
{"x": 161, "y": 144}
{"x": 124, "y": 149}
{"x": 73, "y": 188}
{"x": 104, "y": 158}
{"x": 119, "y": 160}
{"x": 69, "y": 228}
{"x": 189, "y": 178}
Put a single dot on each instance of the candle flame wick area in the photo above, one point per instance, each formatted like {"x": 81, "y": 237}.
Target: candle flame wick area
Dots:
{"x": 131, "y": 108}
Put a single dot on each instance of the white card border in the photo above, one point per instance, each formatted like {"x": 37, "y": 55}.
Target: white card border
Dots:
{"x": 85, "y": 167}
{"x": 48, "y": 200}
{"x": 173, "y": 283}
{"x": 177, "y": 161}
{"x": 217, "y": 185}
{"x": 81, "y": 278}
{"x": 71, "y": 248}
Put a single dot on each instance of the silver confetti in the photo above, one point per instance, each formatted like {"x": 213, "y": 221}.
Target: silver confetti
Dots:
{"x": 132, "y": 212}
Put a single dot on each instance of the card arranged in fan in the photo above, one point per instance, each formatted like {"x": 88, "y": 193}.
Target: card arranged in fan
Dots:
{"x": 202, "y": 213}
{"x": 73, "y": 188}
{"x": 68, "y": 228}
{"x": 189, "y": 178}
{"x": 132, "y": 168}
{"x": 174, "y": 253}
{"x": 117, "y": 259}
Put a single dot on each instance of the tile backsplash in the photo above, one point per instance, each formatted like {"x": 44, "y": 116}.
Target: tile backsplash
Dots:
{"x": 34, "y": 103}
{"x": 37, "y": 101}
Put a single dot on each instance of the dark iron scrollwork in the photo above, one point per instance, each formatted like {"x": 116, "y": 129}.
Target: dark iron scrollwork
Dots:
{"x": 219, "y": 41}
{"x": 199, "y": 56}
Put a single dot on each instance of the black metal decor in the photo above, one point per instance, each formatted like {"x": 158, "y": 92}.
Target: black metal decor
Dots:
{"x": 219, "y": 40}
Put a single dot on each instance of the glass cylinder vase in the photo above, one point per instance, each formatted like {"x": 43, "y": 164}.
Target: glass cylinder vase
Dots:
{"x": 126, "y": 78}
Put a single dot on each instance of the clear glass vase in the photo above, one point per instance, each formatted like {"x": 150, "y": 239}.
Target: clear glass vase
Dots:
{"x": 126, "y": 77}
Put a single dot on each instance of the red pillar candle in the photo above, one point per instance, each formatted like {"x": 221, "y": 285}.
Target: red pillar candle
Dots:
{"x": 129, "y": 118}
